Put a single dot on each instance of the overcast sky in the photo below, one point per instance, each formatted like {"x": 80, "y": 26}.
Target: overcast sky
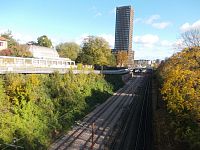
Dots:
{"x": 157, "y": 23}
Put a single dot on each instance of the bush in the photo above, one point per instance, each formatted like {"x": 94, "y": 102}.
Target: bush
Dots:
{"x": 34, "y": 108}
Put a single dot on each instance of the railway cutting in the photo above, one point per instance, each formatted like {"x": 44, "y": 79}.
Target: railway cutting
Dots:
{"x": 122, "y": 122}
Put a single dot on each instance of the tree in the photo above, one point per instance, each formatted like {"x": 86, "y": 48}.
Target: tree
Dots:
{"x": 68, "y": 50}
{"x": 18, "y": 50}
{"x": 122, "y": 58}
{"x": 11, "y": 41}
{"x": 112, "y": 60}
{"x": 44, "y": 41}
{"x": 180, "y": 75}
{"x": 97, "y": 49}
{"x": 191, "y": 38}
{"x": 22, "y": 51}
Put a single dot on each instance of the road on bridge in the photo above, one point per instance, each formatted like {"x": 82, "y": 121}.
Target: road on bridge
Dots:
{"x": 122, "y": 122}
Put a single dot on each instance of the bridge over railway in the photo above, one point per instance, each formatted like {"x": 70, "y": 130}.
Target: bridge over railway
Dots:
{"x": 49, "y": 65}
{"x": 122, "y": 122}
{"x": 48, "y": 70}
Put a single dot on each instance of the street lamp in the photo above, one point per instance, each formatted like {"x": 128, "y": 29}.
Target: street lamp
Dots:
{"x": 93, "y": 127}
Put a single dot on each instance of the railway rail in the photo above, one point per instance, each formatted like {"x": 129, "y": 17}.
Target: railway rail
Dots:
{"x": 134, "y": 131}
{"x": 104, "y": 117}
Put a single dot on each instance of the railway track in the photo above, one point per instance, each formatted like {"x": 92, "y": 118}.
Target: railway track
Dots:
{"x": 134, "y": 131}
{"x": 104, "y": 117}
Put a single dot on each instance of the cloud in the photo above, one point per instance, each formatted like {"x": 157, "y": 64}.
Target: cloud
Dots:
{"x": 152, "y": 19}
{"x": 95, "y": 11}
{"x": 152, "y": 53}
{"x": 161, "y": 25}
{"x": 187, "y": 26}
{"x": 3, "y": 30}
{"x": 166, "y": 43}
{"x": 150, "y": 40}
{"x": 109, "y": 38}
{"x": 154, "y": 22}
{"x": 147, "y": 40}
{"x": 137, "y": 20}
{"x": 80, "y": 39}
{"x": 98, "y": 14}
{"x": 150, "y": 46}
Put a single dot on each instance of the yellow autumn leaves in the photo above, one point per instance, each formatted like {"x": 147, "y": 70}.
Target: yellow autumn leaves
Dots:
{"x": 180, "y": 77}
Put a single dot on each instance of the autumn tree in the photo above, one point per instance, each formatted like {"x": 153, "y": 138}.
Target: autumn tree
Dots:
{"x": 18, "y": 50}
{"x": 122, "y": 58}
{"x": 44, "y": 41}
{"x": 95, "y": 50}
{"x": 181, "y": 91}
{"x": 68, "y": 50}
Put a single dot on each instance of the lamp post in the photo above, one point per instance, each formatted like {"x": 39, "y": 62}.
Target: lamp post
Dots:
{"x": 93, "y": 128}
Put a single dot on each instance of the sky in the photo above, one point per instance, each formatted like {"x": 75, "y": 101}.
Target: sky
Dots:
{"x": 157, "y": 27}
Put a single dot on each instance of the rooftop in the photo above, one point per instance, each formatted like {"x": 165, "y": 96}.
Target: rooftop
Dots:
{"x": 3, "y": 39}
{"x": 43, "y": 52}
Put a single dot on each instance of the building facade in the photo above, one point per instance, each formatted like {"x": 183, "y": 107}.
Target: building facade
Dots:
{"x": 124, "y": 28}
{"x": 3, "y": 43}
{"x": 124, "y": 31}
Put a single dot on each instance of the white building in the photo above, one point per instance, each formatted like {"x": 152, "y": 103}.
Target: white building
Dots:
{"x": 42, "y": 57}
{"x": 43, "y": 52}
{"x": 3, "y": 43}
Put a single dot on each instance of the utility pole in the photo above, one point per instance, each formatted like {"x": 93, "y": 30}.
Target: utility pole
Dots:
{"x": 93, "y": 126}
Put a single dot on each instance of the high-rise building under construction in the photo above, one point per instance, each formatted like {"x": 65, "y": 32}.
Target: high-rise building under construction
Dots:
{"x": 124, "y": 31}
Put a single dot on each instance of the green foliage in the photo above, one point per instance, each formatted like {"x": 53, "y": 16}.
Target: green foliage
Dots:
{"x": 30, "y": 113}
{"x": 95, "y": 50}
{"x": 44, "y": 41}
{"x": 68, "y": 50}
{"x": 70, "y": 91}
{"x": 34, "y": 108}
{"x": 180, "y": 76}
{"x": 79, "y": 66}
{"x": 115, "y": 80}
{"x": 112, "y": 60}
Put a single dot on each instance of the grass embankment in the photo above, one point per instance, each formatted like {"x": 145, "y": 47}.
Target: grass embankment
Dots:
{"x": 36, "y": 108}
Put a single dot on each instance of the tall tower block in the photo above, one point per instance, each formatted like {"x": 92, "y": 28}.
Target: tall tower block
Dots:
{"x": 124, "y": 31}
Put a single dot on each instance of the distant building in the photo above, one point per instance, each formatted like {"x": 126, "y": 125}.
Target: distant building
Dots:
{"x": 3, "y": 43}
{"x": 124, "y": 31}
{"x": 124, "y": 28}
{"x": 42, "y": 57}
{"x": 43, "y": 52}
{"x": 143, "y": 63}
